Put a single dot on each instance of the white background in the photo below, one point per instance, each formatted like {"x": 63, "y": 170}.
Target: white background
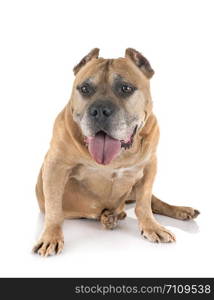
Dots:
{"x": 41, "y": 41}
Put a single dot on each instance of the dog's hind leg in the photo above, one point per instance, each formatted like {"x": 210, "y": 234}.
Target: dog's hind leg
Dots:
{"x": 177, "y": 212}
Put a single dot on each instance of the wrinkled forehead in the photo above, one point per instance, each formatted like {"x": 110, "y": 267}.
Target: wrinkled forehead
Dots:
{"x": 105, "y": 71}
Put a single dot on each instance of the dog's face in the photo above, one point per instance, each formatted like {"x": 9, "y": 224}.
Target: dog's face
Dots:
{"x": 111, "y": 101}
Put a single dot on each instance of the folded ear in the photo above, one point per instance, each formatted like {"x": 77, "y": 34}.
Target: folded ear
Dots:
{"x": 140, "y": 61}
{"x": 94, "y": 53}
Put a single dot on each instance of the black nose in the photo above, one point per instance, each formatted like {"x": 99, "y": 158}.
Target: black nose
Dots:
{"x": 101, "y": 110}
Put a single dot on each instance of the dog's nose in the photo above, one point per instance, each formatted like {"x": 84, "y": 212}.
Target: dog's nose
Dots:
{"x": 101, "y": 110}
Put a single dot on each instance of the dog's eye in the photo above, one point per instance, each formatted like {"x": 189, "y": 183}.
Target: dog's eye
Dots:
{"x": 127, "y": 89}
{"x": 122, "y": 88}
{"x": 86, "y": 89}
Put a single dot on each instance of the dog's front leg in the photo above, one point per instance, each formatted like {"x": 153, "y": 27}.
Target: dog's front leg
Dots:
{"x": 149, "y": 227}
{"x": 54, "y": 176}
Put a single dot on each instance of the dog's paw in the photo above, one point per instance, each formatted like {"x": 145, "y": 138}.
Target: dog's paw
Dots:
{"x": 157, "y": 234}
{"x": 186, "y": 213}
{"x": 51, "y": 242}
{"x": 108, "y": 219}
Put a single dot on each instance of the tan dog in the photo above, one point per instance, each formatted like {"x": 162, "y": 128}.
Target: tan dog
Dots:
{"x": 103, "y": 153}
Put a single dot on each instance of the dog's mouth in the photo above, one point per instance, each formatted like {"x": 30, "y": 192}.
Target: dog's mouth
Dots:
{"x": 104, "y": 148}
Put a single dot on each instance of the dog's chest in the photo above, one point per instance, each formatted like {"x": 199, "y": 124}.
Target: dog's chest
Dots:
{"x": 107, "y": 182}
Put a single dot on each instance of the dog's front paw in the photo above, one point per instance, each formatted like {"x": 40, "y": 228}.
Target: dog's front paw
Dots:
{"x": 157, "y": 233}
{"x": 51, "y": 242}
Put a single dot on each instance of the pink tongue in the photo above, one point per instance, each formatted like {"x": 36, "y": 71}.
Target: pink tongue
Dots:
{"x": 103, "y": 148}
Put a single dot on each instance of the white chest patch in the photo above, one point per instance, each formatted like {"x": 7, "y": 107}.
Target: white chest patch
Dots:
{"x": 132, "y": 172}
{"x": 125, "y": 171}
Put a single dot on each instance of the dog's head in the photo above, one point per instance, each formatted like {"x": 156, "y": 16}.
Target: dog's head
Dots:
{"x": 111, "y": 101}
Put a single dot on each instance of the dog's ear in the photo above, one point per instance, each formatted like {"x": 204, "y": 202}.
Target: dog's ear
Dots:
{"x": 140, "y": 61}
{"x": 94, "y": 53}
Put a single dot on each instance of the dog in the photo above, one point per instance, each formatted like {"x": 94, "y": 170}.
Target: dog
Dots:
{"x": 103, "y": 153}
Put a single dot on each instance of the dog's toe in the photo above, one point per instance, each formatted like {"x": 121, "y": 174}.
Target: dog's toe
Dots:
{"x": 122, "y": 215}
{"x": 37, "y": 247}
{"x": 196, "y": 213}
